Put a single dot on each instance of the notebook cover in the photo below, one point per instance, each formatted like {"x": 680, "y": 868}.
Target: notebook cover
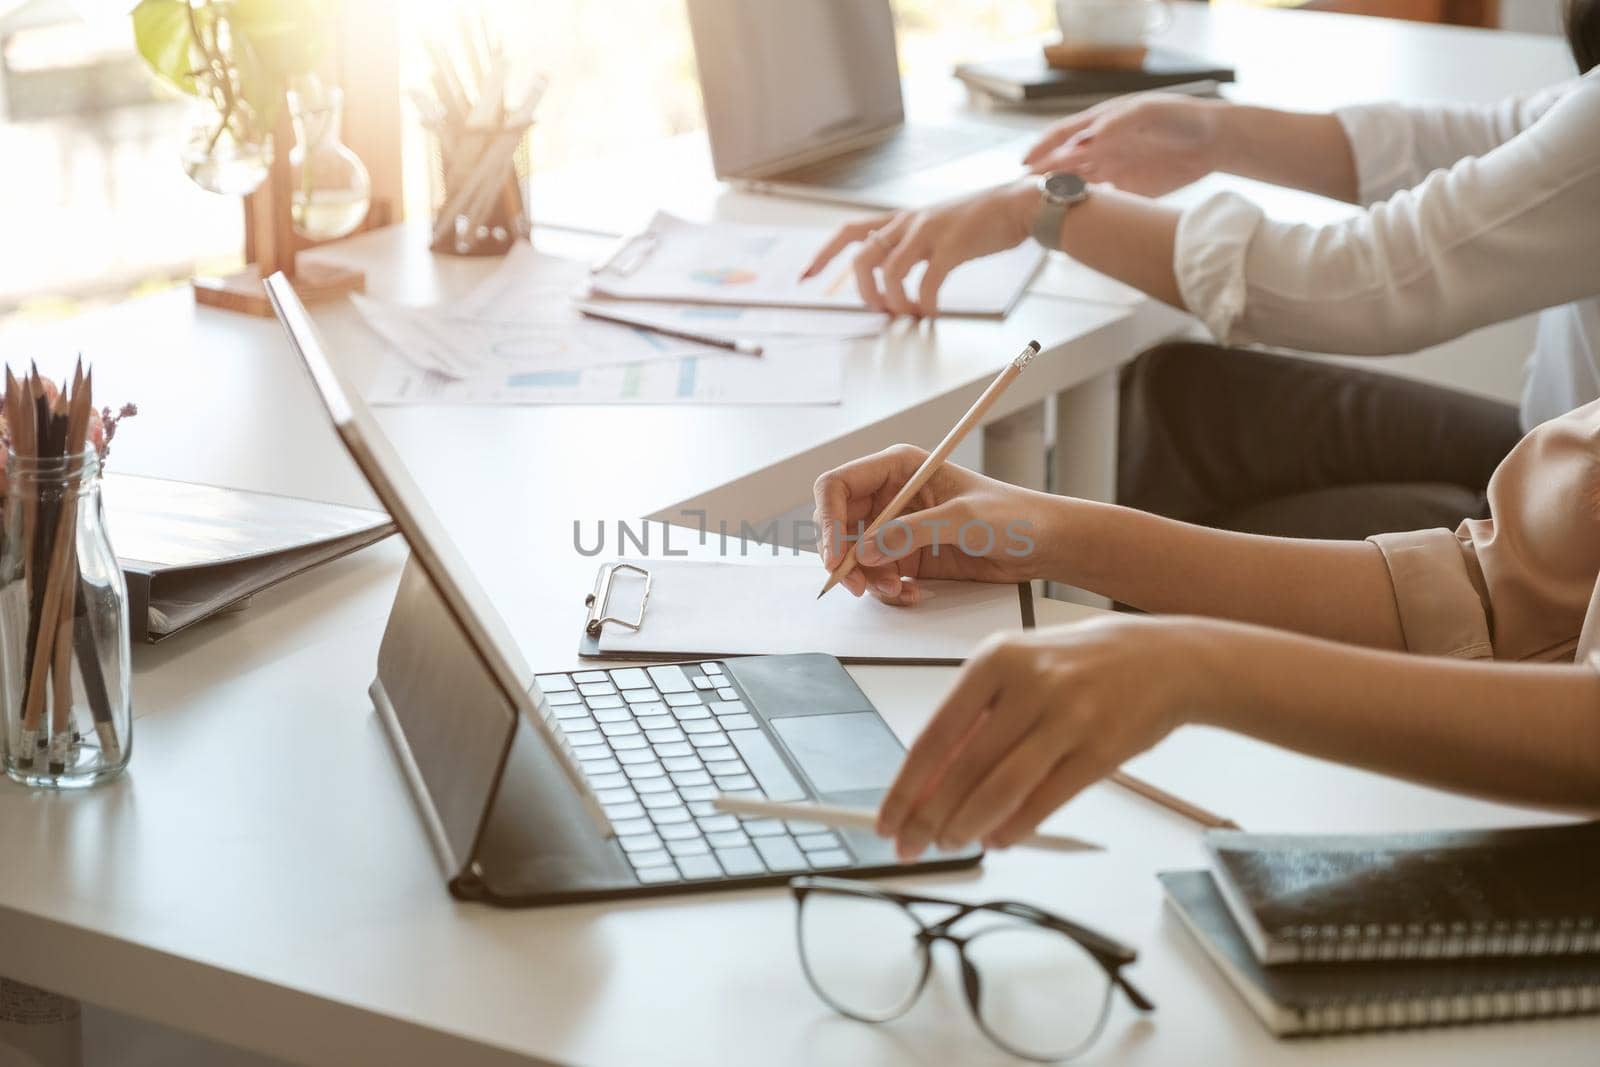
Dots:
{"x": 1526, "y": 891}
{"x": 1316, "y": 998}
{"x": 1030, "y": 78}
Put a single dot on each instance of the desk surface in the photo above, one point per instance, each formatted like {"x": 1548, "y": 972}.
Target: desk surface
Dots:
{"x": 260, "y": 877}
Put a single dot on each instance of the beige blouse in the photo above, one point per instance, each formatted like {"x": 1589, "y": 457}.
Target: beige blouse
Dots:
{"x": 1522, "y": 584}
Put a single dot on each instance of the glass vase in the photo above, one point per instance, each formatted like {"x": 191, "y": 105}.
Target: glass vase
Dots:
{"x": 228, "y": 151}
{"x": 331, "y": 188}
{"x": 65, "y": 676}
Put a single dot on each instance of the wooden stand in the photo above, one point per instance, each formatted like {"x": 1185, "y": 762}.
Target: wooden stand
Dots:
{"x": 371, "y": 79}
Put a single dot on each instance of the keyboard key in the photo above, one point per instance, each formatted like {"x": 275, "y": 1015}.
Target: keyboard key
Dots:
{"x": 604, "y": 715}
{"x": 727, "y": 838}
{"x": 656, "y": 875}
{"x": 806, "y": 829}
{"x": 580, "y": 738}
{"x": 765, "y": 762}
{"x": 675, "y": 748}
{"x": 630, "y": 678}
{"x": 726, "y": 766}
{"x": 670, "y": 678}
{"x": 638, "y": 771}
{"x": 564, "y": 700}
{"x": 670, "y": 816}
{"x": 597, "y": 689}
{"x": 607, "y": 781}
{"x": 657, "y": 722}
{"x": 710, "y": 736}
{"x": 630, "y": 810}
{"x": 654, "y": 707}
{"x": 692, "y": 714}
{"x": 739, "y": 722}
{"x": 780, "y": 854}
{"x": 727, "y": 692}
{"x": 818, "y": 842}
{"x": 628, "y": 743}
{"x": 665, "y": 736}
{"x": 639, "y": 842}
{"x": 703, "y": 724}
{"x": 712, "y": 668}
{"x": 650, "y": 858}
{"x": 833, "y": 857}
{"x": 682, "y": 700}
{"x": 705, "y": 792}
{"x": 571, "y": 711}
{"x": 610, "y": 701}
{"x": 678, "y": 831}
{"x": 636, "y": 755}
{"x": 702, "y": 682}
{"x": 702, "y": 808}
{"x": 600, "y": 766}
{"x": 699, "y": 867}
{"x": 689, "y": 779}
{"x": 744, "y": 794}
{"x": 740, "y": 861}
{"x": 632, "y": 827}
{"x": 718, "y": 752}
{"x": 734, "y": 782}
{"x": 688, "y": 846}
{"x": 719, "y": 821}
{"x": 620, "y": 795}
{"x": 646, "y": 787}
{"x": 640, "y": 696}
{"x": 730, "y": 707}
{"x": 660, "y": 800}
{"x": 764, "y": 827}
{"x": 553, "y": 683}
{"x": 619, "y": 729}
{"x": 680, "y": 763}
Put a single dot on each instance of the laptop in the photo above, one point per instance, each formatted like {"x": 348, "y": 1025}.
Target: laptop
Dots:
{"x": 803, "y": 99}
{"x": 577, "y": 785}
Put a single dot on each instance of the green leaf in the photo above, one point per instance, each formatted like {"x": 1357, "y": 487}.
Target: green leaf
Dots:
{"x": 161, "y": 32}
{"x": 275, "y": 42}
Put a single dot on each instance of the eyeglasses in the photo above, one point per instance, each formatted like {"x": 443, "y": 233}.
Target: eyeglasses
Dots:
{"x": 1038, "y": 985}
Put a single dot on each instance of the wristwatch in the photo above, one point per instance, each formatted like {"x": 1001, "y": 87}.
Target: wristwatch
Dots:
{"x": 1058, "y": 191}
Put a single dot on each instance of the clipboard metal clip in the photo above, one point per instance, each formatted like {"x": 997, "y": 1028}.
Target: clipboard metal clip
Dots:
{"x": 599, "y": 601}
{"x": 628, "y": 256}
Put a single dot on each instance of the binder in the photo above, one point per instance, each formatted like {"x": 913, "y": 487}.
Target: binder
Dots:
{"x": 604, "y": 610}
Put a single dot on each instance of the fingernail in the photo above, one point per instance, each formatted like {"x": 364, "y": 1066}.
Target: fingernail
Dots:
{"x": 888, "y": 586}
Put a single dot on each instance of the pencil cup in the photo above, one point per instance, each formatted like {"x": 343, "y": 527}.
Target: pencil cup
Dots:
{"x": 479, "y": 209}
{"x": 65, "y": 678}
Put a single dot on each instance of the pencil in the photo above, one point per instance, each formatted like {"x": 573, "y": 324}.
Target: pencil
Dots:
{"x": 732, "y": 344}
{"x": 866, "y": 819}
{"x": 1172, "y": 802}
{"x": 935, "y": 460}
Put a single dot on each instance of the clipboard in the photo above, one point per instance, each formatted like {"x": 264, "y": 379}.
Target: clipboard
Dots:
{"x": 606, "y": 612}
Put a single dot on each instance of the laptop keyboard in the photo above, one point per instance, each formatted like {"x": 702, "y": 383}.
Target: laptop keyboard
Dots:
{"x": 908, "y": 150}
{"x": 657, "y": 745}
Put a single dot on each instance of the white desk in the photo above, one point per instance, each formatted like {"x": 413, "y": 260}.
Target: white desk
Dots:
{"x": 260, "y": 878}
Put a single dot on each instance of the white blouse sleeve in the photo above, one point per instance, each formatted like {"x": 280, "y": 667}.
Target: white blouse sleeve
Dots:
{"x": 1395, "y": 145}
{"x": 1494, "y": 237}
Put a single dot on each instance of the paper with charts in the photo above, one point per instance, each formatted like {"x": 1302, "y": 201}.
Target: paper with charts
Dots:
{"x": 760, "y": 266}
{"x": 768, "y": 607}
{"x": 518, "y": 338}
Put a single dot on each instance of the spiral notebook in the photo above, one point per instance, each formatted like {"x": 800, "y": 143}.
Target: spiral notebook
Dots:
{"x": 1321, "y": 998}
{"x": 1531, "y": 891}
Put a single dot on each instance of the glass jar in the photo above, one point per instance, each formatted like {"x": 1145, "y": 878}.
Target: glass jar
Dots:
{"x": 228, "y": 151}
{"x": 65, "y": 675}
{"x": 331, "y": 188}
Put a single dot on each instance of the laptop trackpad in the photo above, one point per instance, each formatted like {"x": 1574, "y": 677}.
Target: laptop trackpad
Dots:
{"x": 841, "y": 753}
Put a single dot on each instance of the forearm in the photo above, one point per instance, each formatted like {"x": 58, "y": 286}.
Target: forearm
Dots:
{"x": 1514, "y": 732}
{"x": 1131, "y": 238}
{"x": 1339, "y": 590}
{"x": 1293, "y": 149}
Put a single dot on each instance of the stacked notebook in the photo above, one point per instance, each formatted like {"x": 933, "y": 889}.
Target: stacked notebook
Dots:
{"x": 1029, "y": 82}
{"x": 1322, "y": 934}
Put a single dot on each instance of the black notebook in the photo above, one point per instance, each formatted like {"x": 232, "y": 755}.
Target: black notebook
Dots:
{"x": 1521, "y": 892}
{"x": 1028, "y": 79}
{"x": 1320, "y": 998}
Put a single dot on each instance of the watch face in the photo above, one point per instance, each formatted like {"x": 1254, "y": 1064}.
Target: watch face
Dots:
{"x": 1063, "y": 187}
